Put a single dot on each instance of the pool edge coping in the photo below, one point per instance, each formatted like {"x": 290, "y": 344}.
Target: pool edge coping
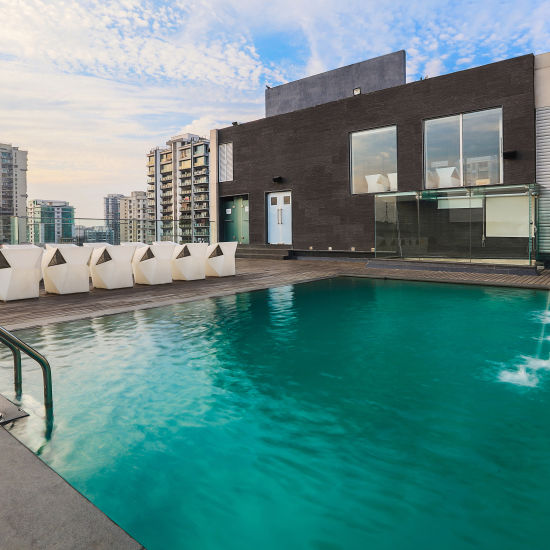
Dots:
{"x": 34, "y": 471}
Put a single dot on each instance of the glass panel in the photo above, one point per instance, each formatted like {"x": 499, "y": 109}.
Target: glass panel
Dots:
{"x": 481, "y": 137}
{"x": 445, "y": 219}
{"x": 374, "y": 161}
{"x": 273, "y": 201}
{"x": 506, "y": 227}
{"x": 488, "y": 224}
{"x": 442, "y": 152}
{"x": 286, "y": 199}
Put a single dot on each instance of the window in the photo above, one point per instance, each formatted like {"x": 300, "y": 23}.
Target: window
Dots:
{"x": 463, "y": 150}
{"x": 374, "y": 160}
{"x": 225, "y": 162}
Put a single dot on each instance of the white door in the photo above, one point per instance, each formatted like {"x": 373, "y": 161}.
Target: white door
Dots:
{"x": 279, "y": 218}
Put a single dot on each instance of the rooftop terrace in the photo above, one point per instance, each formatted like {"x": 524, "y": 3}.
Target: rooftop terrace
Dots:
{"x": 252, "y": 274}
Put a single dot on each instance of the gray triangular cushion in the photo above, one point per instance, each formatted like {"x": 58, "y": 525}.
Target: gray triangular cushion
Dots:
{"x": 105, "y": 257}
{"x": 184, "y": 253}
{"x": 57, "y": 259}
{"x": 148, "y": 255}
{"x": 4, "y": 264}
{"x": 216, "y": 252}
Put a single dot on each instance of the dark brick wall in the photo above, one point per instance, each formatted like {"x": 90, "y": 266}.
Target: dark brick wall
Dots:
{"x": 310, "y": 149}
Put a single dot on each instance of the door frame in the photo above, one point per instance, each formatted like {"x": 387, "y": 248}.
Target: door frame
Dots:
{"x": 266, "y": 216}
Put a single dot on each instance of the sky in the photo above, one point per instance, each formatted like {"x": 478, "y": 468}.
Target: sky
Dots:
{"x": 89, "y": 87}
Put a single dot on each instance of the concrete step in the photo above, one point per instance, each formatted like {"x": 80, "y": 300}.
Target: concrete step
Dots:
{"x": 464, "y": 267}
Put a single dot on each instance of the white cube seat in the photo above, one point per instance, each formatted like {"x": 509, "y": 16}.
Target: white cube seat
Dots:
{"x": 152, "y": 264}
{"x": 189, "y": 261}
{"x": 20, "y": 272}
{"x": 96, "y": 244}
{"x": 220, "y": 259}
{"x": 65, "y": 268}
{"x": 111, "y": 266}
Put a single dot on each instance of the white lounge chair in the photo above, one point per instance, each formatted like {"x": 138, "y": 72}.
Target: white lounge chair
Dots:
{"x": 189, "y": 261}
{"x": 111, "y": 266}
{"x": 220, "y": 259}
{"x": 65, "y": 268}
{"x": 20, "y": 272}
{"x": 152, "y": 265}
{"x": 96, "y": 245}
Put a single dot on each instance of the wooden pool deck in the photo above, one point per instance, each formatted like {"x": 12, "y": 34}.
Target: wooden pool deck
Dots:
{"x": 252, "y": 274}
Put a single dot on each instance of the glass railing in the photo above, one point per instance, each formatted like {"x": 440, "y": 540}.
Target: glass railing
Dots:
{"x": 23, "y": 230}
{"x": 478, "y": 224}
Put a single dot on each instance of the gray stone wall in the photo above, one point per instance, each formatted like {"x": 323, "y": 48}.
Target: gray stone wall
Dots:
{"x": 371, "y": 75}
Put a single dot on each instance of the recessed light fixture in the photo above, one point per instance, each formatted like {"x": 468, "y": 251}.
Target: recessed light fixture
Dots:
{"x": 356, "y": 91}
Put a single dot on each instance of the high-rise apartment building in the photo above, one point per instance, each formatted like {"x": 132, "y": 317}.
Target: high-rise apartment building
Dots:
{"x": 50, "y": 222}
{"x": 177, "y": 188}
{"x": 111, "y": 211}
{"x": 135, "y": 224}
{"x": 13, "y": 191}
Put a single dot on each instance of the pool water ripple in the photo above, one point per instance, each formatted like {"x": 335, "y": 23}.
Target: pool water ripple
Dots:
{"x": 345, "y": 414}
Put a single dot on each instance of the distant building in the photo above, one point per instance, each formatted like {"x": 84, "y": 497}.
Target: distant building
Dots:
{"x": 135, "y": 225}
{"x": 95, "y": 234}
{"x": 111, "y": 210}
{"x": 13, "y": 192}
{"x": 50, "y": 222}
{"x": 177, "y": 188}
{"x": 98, "y": 234}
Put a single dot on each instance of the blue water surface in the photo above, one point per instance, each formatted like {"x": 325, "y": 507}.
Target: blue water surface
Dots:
{"x": 340, "y": 414}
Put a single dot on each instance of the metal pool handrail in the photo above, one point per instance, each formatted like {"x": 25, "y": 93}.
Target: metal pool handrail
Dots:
{"x": 17, "y": 346}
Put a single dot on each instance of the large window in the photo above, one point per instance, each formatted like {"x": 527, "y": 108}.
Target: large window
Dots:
{"x": 374, "y": 160}
{"x": 225, "y": 162}
{"x": 463, "y": 150}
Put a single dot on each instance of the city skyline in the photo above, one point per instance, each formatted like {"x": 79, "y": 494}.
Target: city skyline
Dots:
{"x": 89, "y": 88}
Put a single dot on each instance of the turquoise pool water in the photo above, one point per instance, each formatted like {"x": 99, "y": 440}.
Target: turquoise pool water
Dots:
{"x": 346, "y": 414}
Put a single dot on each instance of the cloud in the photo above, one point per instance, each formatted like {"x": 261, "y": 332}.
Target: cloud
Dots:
{"x": 88, "y": 87}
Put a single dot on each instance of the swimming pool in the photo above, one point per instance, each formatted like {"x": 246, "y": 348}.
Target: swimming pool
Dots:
{"x": 347, "y": 413}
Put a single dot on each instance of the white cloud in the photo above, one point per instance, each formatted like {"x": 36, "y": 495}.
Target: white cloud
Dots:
{"x": 89, "y": 86}
{"x": 434, "y": 67}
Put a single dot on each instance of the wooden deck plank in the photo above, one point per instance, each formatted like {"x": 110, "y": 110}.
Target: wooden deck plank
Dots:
{"x": 252, "y": 274}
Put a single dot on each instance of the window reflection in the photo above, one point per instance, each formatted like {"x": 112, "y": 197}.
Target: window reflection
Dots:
{"x": 463, "y": 150}
{"x": 442, "y": 149}
{"x": 481, "y": 148}
{"x": 374, "y": 160}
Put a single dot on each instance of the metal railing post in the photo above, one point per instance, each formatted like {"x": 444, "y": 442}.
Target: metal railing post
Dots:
{"x": 13, "y": 342}
{"x": 17, "y": 375}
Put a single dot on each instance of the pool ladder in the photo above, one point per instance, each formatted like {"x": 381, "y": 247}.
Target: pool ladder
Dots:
{"x": 17, "y": 346}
